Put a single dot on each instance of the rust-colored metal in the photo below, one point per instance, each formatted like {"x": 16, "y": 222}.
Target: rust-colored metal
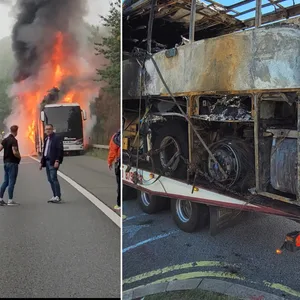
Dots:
{"x": 279, "y": 198}
{"x": 263, "y": 59}
{"x": 220, "y": 19}
{"x": 256, "y": 141}
{"x": 192, "y": 106}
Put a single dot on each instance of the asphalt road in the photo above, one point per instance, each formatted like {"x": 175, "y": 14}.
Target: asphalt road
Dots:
{"x": 59, "y": 250}
{"x": 154, "y": 249}
{"x": 92, "y": 174}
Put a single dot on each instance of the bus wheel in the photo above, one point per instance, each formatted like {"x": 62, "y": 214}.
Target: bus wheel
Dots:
{"x": 172, "y": 139}
{"x": 189, "y": 216}
{"x": 151, "y": 204}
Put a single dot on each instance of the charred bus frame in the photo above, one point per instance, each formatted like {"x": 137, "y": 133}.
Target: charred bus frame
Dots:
{"x": 264, "y": 84}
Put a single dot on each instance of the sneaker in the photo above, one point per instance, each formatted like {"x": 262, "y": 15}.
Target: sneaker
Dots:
{"x": 117, "y": 207}
{"x": 52, "y": 199}
{"x": 2, "y": 203}
{"x": 12, "y": 202}
{"x": 57, "y": 199}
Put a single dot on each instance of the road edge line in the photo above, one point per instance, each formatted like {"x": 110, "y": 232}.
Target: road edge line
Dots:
{"x": 92, "y": 198}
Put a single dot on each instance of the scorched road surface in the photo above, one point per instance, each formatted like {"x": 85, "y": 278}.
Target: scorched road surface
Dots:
{"x": 154, "y": 250}
{"x": 56, "y": 250}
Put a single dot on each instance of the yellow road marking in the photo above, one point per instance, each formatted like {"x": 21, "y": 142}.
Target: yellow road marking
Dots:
{"x": 215, "y": 274}
{"x": 192, "y": 275}
{"x": 283, "y": 288}
{"x": 175, "y": 268}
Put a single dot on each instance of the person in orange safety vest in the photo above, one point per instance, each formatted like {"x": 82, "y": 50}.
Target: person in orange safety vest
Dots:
{"x": 114, "y": 158}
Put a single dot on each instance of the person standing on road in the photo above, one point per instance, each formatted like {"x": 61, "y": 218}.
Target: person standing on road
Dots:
{"x": 11, "y": 159}
{"x": 52, "y": 158}
{"x": 114, "y": 157}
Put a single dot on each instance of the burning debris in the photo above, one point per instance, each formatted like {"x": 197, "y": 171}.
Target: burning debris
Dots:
{"x": 226, "y": 109}
{"x": 49, "y": 57}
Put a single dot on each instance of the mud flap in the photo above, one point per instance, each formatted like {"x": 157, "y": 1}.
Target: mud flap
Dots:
{"x": 222, "y": 218}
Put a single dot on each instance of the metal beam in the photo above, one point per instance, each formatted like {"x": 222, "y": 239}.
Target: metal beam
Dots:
{"x": 254, "y": 8}
{"x": 192, "y": 21}
{"x": 257, "y": 138}
{"x": 298, "y": 148}
{"x": 276, "y": 16}
{"x": 258, "y": 14}
{"x": 150, "y": 26}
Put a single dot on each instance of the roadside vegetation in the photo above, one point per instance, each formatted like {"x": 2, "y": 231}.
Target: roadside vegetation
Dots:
{"x": 98, "y": 153}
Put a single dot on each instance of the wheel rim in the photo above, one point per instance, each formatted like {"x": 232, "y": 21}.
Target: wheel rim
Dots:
{"x": 228, "y": 159}
{"x": 184, "y": 210}
{"x": 170, "y": 155}
{"x": 145, "y": 199}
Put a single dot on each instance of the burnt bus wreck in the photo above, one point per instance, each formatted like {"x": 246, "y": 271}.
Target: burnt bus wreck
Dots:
{"x": 219, "y": 115}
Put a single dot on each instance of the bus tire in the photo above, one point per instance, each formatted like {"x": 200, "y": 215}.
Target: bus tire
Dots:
{"x": 129, "y": 193}
{"x": 243, "y": 154}
{"x": 151, "y": 204}
{"x": 175, "y": 132}
{"x": 189, "y": 216}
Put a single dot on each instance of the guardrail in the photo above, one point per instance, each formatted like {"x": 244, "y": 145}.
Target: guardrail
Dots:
{"x": 100, "y": 146}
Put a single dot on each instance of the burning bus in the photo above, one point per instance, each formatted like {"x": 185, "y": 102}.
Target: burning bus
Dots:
{"x": 67, "y": 120}
{"x": 58, "y": 56}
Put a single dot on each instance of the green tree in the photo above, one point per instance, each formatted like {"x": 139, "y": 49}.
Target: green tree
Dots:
{"x": 110, "y": 48}
{"x": 5, "y": 101}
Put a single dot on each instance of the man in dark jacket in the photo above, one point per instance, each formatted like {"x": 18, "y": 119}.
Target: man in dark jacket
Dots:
{"x": 11, "y": 160}
{"x": 52, "y": 158}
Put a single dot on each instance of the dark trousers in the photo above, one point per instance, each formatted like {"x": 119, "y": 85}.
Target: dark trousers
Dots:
{"x": 53, "y": 180}
{"x": 10, "y": 178}
{"x": 118, "y": 177}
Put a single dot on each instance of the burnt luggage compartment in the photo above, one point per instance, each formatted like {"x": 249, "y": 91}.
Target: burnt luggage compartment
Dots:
{"x": 284, "y": 163}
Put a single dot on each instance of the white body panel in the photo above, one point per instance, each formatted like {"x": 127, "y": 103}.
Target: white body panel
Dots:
{"x": 176, "y": 189}
{"x": 168, "y": 186}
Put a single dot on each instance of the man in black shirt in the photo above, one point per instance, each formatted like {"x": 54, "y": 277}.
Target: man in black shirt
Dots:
{"x": 11, "y": 160}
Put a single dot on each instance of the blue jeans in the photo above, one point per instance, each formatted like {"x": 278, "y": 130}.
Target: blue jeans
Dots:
{"x": 53, "y": 180}
{"x": 10, "y": 178}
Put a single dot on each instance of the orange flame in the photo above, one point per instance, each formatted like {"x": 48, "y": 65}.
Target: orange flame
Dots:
{"x": 58, "y": 67}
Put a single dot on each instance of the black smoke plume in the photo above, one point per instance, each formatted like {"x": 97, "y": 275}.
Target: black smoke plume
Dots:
{"x": 36, "y": 28}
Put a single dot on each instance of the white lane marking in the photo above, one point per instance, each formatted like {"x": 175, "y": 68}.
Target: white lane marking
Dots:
{"x": 158, "y": 237}
{"x": 97, "y": 202}
{"x": 132, "y": 230}
{"x": 134, "y": 217}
